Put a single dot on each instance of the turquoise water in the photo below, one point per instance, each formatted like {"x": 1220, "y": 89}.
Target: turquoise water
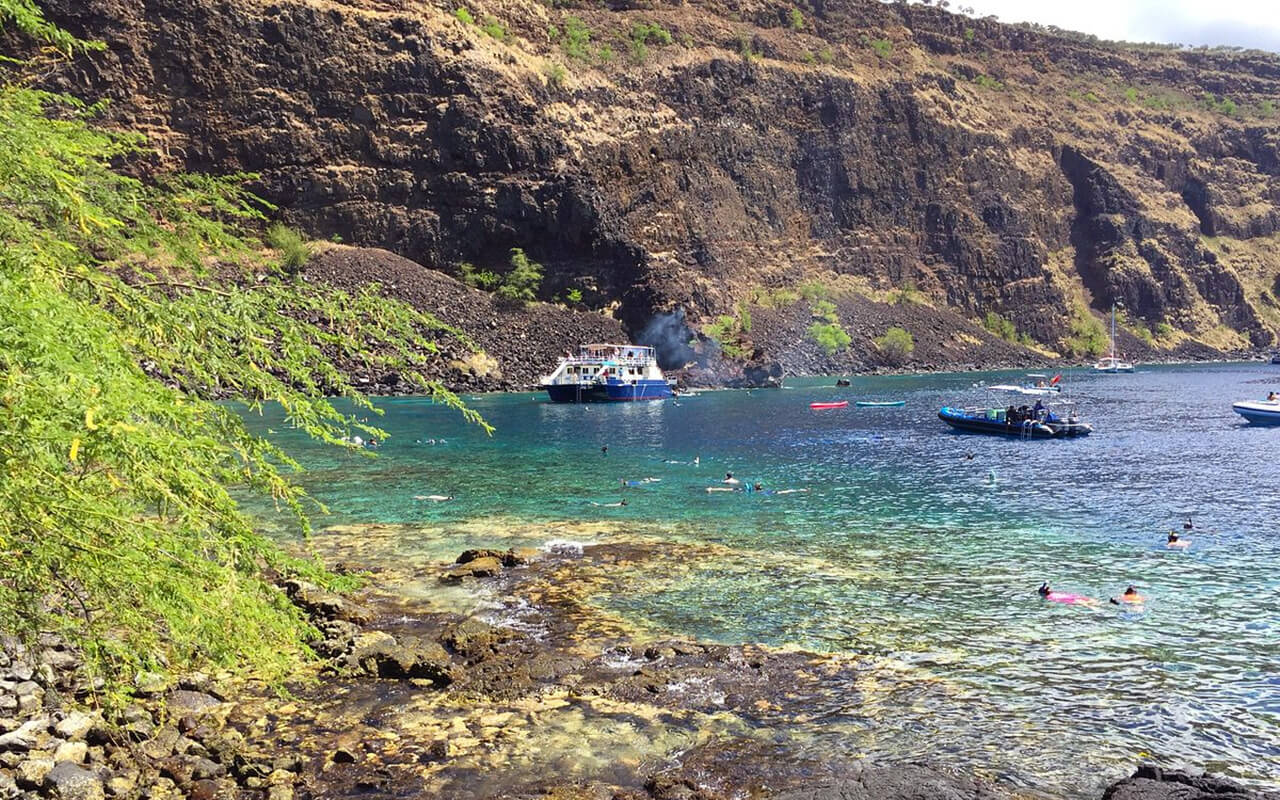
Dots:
{"x": 907, "y": 550}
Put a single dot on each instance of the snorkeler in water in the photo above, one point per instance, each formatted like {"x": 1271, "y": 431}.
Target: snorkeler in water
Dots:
{"x": 1174, "y": 540}
{"x": 728, "y": 478}
{"x": 1130, "y": 597}
{"x": 610, "y": 505}
{"x": 435, "y": 498}
{"x": 1066, "y": 598}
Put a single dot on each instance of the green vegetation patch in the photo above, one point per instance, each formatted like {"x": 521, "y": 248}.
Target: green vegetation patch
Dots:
{"x": 1088, "y": 335}
{"x": 294, "y": 249}
{"x": 493, "y": 27}
{"x": 119, "y": 529}
{"x": 520, "y": 285}
{"x": 576, "y": 39}
{"x": 895, "y": 346}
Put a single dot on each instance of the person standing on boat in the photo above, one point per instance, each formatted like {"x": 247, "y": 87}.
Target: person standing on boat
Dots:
{"x": 1039, "y": 408}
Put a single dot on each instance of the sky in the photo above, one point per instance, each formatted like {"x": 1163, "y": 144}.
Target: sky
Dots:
{"x": 1246, "y": 23}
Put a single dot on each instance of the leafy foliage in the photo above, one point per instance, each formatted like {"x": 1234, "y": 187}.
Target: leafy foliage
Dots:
{"x": 118, "y": 524}
{"x": 1000, "y": 326}
{"x": 520, "y": 285}
{"x": 480, "y": 279}
{"x": 773, "y": 298}
{"x": 295, "y": 250}
{"x": 1088, "y": 335}
{"x": 556, "y": 74}
{"x": 576, "y": 41}
{"x": 896, "y": 346}
{"x": 464, "y": 16}
{"x": 493, "y": 27}
{"x": 907, "y": 293}
{"x": 644, "y": 34}
{"x": 795, "y": 20}
{"x": 826, "y": 331}
{"x": 830, "y": 336}
{"x": 814, "y": 291}
{"x": 651, "y": 33}
{"x": 882, "y": 47}
{"x": 988, "y": 82}
{"x": 745, "y": 45}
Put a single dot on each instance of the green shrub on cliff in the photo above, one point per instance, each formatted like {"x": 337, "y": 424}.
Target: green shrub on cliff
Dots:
{"x": 644, "y": 34}
{"x": 795, "y": 20}
{"x": 882, "y": 47}
{"x": 478, "y": 278}
{"x": 556, "y": 75}
{"x": 1088, "y": 335}
{"x": 118, "y": 524}
{"x": 895, "y": 346}
{"x": 520, "y": 285}
{"x": 651, "y": 33}
{"x": 464, "y": 16}
{"x": 1000, "y": 326}
{"x": 576, "y": 41}
{"x": 294, "y": 249}
{"x": 493, "y": 27}
{"x": 830, "y": 336}
{"x": 726, "y": 331}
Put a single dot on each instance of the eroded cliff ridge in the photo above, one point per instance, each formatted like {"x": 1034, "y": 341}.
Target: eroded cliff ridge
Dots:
{"x": 714, "y": 156}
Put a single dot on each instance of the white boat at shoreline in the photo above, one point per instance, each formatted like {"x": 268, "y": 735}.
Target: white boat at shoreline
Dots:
{"x": 1113, "y": 363}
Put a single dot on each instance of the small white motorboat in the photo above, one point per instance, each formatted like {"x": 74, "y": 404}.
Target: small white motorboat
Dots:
{"x": 1259, "y": 412}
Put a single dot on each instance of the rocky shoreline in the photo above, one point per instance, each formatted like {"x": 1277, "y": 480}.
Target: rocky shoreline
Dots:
{"x": 538, "y": 696}
{"x": 516, "y": 345}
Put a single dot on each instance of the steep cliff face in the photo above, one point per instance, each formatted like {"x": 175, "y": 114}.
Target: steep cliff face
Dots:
{"x": 871, "y": 147}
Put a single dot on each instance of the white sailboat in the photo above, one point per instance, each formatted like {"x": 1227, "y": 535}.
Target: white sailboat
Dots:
{"x": 1112, "y": 363}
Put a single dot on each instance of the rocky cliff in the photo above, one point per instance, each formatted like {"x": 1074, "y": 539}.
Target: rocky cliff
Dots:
{"x": 923, "y": 168}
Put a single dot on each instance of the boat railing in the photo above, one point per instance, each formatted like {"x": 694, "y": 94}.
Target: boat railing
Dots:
{"x": 608, "y": 361}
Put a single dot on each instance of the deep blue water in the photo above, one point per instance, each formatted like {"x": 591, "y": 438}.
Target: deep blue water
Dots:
{"x": 907, "y": 549}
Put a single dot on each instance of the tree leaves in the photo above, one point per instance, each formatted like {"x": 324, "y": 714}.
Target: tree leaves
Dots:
{"x": 129, "y": 309}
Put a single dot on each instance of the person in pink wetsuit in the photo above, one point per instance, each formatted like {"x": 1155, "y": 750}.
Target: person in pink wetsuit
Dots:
{"x": 1065, "y": 598}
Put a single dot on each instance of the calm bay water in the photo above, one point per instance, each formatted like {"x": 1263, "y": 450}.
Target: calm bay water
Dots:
{"x": 906, "y": 549}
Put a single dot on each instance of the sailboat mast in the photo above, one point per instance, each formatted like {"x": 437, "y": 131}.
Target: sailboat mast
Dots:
{"x": 1113, "y": 330}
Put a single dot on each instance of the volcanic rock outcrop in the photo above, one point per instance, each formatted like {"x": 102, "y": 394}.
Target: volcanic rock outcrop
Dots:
{"x": 668, "y": 155}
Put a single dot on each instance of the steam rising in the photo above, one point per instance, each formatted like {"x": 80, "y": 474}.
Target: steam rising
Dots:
{"x": 669, "y": 336}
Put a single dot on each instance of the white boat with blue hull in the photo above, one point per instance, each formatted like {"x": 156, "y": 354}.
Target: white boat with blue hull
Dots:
{"x": 608, "y": 373}
{"x": 1259, "y": 412}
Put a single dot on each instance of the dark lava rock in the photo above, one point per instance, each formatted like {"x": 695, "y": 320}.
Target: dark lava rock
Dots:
{"x": 183, "y": 702}
{"x": 1153, "y": 783}
{"x": 66, "y": 781}
{"x": 474, "y": 638}
{"x": 344, "y": 755}
{"x": 379, "y": 653}
{"x": 323, "y": 604}
{"x": 481, "y": 567}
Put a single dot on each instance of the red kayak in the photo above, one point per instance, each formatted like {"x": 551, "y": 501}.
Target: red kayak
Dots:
{"x": 841, "y": 404}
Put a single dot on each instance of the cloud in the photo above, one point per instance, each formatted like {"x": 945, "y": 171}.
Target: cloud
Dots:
{"x": 1244, "y": 23}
